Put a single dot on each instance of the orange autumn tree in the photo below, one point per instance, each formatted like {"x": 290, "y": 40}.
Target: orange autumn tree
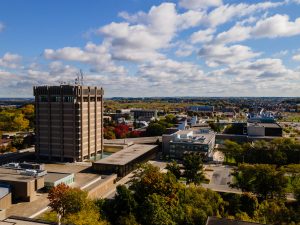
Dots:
{"x": 57, "y": 199}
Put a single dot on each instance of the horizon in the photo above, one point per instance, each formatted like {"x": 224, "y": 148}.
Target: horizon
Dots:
{"x": 135, "y": 48}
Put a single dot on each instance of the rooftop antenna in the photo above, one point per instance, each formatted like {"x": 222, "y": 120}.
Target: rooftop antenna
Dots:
{"x": 81, "y": 77}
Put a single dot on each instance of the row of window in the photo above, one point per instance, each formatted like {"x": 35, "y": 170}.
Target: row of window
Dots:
{"x": 45, "y": 98}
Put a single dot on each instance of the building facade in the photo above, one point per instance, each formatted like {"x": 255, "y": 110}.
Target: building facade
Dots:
{"x": 69, "y": 122}
{"x": 186, "y": 141}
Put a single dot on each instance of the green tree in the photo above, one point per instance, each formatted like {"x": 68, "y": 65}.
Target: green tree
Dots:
{"x": 233, "y": 150}
{"x": 261, "y": 179}
{"x": 193, "y": 168}
{"x": 86, "y": 216}
{"x": 174, "y": 168}
{"x": 155, "y": 129}
{"x": 272, "y": 212}
{"x": 156, "y": 211}
{"x": 148, "y": 180}
{"x": 197, "y": 204}
{"x": 125, "y": 203}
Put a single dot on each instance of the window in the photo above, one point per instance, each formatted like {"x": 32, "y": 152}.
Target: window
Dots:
{"x": 43, "y": 98}
{"x": 68, "y": 99}
{"x": 55, "y": 98}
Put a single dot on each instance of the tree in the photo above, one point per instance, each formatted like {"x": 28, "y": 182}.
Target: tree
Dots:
{"x": 272, "y": 212}
{"x": 86, "y": 216}
{"x": 148, "y": 180}
{"x": 261, "y": 179}
{"x": 193, "y": 168}
{"x": 121, "y": 131}
{"x": 155, "y": 129}
{"x": 109, "y": 133}
{"x": 156, "y": 211}
{"x": 125, "y": 203}
{"x": 57, "y": 201}
{"x": 233, "y": 150}
{"x": 76, "y": 200}
{"x": 174, "y": 168}
{"x": 197, "y": 204}
{"x": 20, "y": 123}
{"x": 65, "y": 200}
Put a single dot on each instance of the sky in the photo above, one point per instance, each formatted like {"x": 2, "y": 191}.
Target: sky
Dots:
{"x": 150, "y": 48}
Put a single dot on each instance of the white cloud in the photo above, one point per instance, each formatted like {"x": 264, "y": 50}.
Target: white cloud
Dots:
{"x": 190, "y": 19}
{"x": 95, "y": 55}
{"x": 276, "y": 26}
{"x": 270, "y": 27}
{"x": 199, "y": 4}
{"x": 281, "y": 53}
{"x": 296, "y": 57}
{"x": 184, "y": 49}
{"x": 141, "y": 41}
{"x": 234, "y": 34}
{"x": 10, "y": 60}
{"x": 216, "y": 55}
{"x": 226, "y": 13}
{"x": 202, "y": 36}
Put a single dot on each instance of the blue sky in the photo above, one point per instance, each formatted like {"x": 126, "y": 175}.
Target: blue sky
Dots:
{"x": 152, "y": 48}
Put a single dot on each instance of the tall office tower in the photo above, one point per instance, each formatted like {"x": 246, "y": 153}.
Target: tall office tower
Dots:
{"x": 68, "y": 122}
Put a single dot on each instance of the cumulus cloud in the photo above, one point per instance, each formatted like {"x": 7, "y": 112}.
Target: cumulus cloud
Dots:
{"x": 270, "y": 27}
{"x": 202, "y": 36}
{"x": 10, "y": 60}
{"x": 276, "y": 26}
{"x": 296, "y": 57}
{"x": 96, "y": 55}
{"x": 139, "y": 42}
{"x": 199, "y": 4}
{"x": 144, "y": 35}
{"x": 184, "y": 49}
{"x": 226, "y": 13}
{"x": 216, "y": 55}
{"x": 148, "y": 40}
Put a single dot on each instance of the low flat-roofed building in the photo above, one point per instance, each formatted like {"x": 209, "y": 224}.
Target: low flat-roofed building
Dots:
{"x": 144, "y": 114}
{"x": 192, "y": 140}
{"x": 211, "y": 220}
{"x": 52, "y": 179}
{"x": 23, "y": 187}
{"x": 17, "y": 220}
{"x": 124, "y": 161}
{"x": 264, "y": 129}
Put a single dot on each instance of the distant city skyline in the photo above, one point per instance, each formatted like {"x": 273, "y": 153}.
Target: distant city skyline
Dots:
{"x": 138, "y": 48}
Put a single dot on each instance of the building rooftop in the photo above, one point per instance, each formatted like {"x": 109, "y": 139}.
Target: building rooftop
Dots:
{"x": 268, "y": 125}
{"x": 7, "y": 174}
{"x": 16, "y": 220}
{"x": 126, "y": 155}
{"x": 222, "y": 221}
{"x": 194, "y": 136}
{"x": 55, "y": 176}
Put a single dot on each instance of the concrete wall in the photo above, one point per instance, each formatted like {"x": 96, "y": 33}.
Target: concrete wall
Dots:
{"x": 256, "y": 131}
{"x": 102, "y": 187}
{"x": 5, "y": 202}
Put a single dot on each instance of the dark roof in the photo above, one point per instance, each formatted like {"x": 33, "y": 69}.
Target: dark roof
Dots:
{"x": 223, "y": 221}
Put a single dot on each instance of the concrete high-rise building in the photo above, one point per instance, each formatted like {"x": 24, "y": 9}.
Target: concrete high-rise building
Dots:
{"x": 68, "y": 122}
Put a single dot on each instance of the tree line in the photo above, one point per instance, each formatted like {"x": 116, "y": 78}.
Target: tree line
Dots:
{"x": 280, "y": 151}
{"x": 156, "y": 198}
